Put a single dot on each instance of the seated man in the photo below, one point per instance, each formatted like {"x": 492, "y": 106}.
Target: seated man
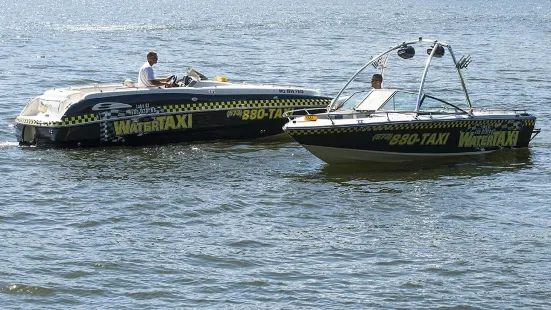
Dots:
{"x": 146, "y": 77}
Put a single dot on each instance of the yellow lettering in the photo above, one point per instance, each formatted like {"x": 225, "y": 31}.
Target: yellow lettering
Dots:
{"x": 161, "y": 120}
{"x": 484, "y": 140}
{"x": 245, "y": 115}
{"x": 432, "y": 139}
{"x": 501, "y": 139}
{"x": 395, "y": 139}
{"x": 495, "y": 137}
{"x": 512, "y": 138}
{"x": 446, "y": 139}
{"x": 404, "y": 139}
{"x": 169, "y": 122}
{"x": 477, "y": 140}
{"x": 498, "y": 138}
{"x": 161, "y": 123}
{"x": 122, "y": 127}
{"x": 181, "y": 121}
{"x": 442, "y": 137}
{"x": 413, "y": 138}
{"x": 465, "y": 139}
{"x": 154, "y": 126}
{"x": 490, "y": 140}
{"x": 278, "y": 113}
{"x": 147, "y": 127}
{"x": 261, "y": 113}
{"x": 425, "y": 136}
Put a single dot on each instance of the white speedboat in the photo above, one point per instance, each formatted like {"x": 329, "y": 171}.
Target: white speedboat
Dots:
{"x": 195, "y": 108}
{"x": 398, "y": 125}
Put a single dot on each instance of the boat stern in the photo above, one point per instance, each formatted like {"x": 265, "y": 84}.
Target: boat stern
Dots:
{"x": 25, "y": 135}
{"x": 41, "y": 115}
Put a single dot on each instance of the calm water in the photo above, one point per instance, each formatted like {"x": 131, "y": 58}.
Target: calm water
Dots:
{"x": 265, "y": 225}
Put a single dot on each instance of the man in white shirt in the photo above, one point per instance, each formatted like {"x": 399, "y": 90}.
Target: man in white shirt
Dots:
{"x": 146, "y": 77}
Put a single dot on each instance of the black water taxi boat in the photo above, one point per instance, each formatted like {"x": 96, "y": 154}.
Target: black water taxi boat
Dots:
{"x": 196, "y": 108}
{"x": 398, "y": 125}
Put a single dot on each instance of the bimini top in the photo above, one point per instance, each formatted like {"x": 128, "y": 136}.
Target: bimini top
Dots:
{"x": 378, "y": 99}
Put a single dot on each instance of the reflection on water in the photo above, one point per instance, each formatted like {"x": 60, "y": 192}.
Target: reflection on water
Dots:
{"x": 168, "y": 162}
{"x": 459, "y": 167}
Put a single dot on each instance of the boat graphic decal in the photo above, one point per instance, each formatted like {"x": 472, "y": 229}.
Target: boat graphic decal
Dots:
{"x": 110, "y": 106}
{"x": 466, "y": 139}
{"x": 497, "y": 138}
{"x": 158, "y": 123}
{"x": 435, "y": 138}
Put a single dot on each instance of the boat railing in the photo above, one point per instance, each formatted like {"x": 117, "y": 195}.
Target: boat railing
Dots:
{"x": 413, "y": 113}
{"x": 349, "y": 114}
{"x": 502, "y": 111}
{"x": 535, "y": 132}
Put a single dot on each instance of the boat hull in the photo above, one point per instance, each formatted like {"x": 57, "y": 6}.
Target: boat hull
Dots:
{"x": 127, "y": 121}
{"x": 415, "y": 140}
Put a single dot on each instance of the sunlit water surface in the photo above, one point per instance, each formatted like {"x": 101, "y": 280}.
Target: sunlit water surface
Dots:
{"x": 265, "y": 225}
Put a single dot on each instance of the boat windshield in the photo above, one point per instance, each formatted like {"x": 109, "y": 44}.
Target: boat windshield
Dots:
{"x": 401, "y": 101}
{"x": 353, "y": 101}
{"x": 397, "y": 101}
{"x": 375, "y": 99}
{"x": 433, "y": 104}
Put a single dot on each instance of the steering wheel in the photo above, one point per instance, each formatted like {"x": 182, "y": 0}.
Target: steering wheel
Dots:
{"x": 172, "y": 81}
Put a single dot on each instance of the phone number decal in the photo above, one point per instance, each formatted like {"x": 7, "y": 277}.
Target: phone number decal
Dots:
{"x": 257, "y": 114}
{"x": 412, "y": 139}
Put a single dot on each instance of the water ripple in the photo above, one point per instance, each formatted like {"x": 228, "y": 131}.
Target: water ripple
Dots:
{"x": 265, "y": 225}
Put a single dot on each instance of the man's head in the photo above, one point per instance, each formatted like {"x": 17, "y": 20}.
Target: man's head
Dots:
{"x": 376, "y": 81}
{"x": 152, "y": 58}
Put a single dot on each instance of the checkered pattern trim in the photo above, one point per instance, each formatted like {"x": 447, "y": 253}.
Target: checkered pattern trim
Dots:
{"x": 223, "y": 105}
{"x": 499, "y": 125}
{"x": 200, "y": 106}
{"x": 28, "y": 121}
{"x": 107, "y": 129}
{"x": 73, "y": 120}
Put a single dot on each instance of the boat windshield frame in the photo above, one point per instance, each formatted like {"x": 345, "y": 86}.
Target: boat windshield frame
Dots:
{"x": 420, "y": 95}
{"x": 379, "y": 100}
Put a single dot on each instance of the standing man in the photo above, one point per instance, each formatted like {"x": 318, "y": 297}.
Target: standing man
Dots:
{"x": 377, "y": 81}
{"x": 146, "y": 77}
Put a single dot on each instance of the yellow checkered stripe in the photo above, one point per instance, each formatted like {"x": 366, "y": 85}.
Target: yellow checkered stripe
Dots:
{"x": 28, "y": 121}
{"x": 238, "y": 104}
{"x": 87, "y": 118}
{"x": 73, "y": 120}
{"x": 405, "y": 126}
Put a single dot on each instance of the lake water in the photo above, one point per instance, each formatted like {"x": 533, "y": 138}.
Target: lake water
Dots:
{"x": 266, "y": 225}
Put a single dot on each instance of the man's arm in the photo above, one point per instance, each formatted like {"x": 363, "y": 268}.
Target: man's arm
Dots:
{"x": 152, "y": 80}
{"x": 158, "y": 82}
